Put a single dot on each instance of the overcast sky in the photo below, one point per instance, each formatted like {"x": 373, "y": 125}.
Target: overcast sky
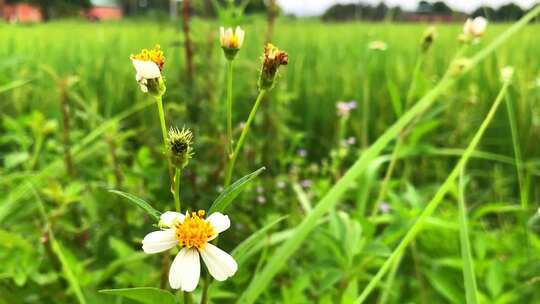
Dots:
{"x": 316, "y": 7}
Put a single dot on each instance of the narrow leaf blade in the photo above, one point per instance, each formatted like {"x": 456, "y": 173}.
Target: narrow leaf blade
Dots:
{"x": 145, "y": 295}
{"x": 139, "y": 202}
{"x": 226, "y": 197}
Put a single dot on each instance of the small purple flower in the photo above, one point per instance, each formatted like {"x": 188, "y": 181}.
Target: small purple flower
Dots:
{"x": 306, "y": 183}
{"x": 385, "y": 207}
{"x": 261, "y": 199}
{"x": 260, "y": 189}
{"x": 302, "y": 152}
{"x": 281, "y": 184}
{"x": 344, "y": 107}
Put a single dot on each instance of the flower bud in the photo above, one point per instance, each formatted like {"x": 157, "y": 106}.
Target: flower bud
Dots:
{"x": 378, "y": 45}
{"x": 475, "y": 28}
{"x": 459, "y": 66}
{"x": 230, "y": 41}
{"x": 273, "y": 58}
{"x": 148, "y": 65}
{"x": 429, "y": 36}
{"x": 506, "y": 73}
{"x": 179, "y": 146}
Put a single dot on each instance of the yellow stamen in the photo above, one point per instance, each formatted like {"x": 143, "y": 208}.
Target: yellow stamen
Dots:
{"x": 194, "y": 231}
{"x": 155, "y": 55}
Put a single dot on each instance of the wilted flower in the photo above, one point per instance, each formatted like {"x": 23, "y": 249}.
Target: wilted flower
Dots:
{"x": 231, "y": 41}
{"x": 344, "y": 107}
{"x": 179, "y": 144}
{"x": 506, "y": 73}
{"x": 148, "y": 65}
{"x": 193, "y": 233}
{"x": 475, "y": 28}
{"x": 273, "y": 58}
{"x": 429, "y": 36}
{"x": 378, "y": 45}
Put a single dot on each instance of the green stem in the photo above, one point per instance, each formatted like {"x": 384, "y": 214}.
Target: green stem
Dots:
{"x": 240, "y": 143}
{"x": 37, "y": 150}
{"x": 159, "y": 101}
{"x": 229, "y": 106}
{"x": 176, "y": 189}
{"x": 435, "y": 201}
{"x": 187, "y": 298}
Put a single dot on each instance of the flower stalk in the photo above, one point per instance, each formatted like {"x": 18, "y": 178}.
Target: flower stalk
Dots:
{"x": 229, "y": 106}
{"x": 245, "y": 131}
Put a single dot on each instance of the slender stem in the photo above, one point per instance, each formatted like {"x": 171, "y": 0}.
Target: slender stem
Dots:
{"x": 229, "y": 106}
{"x": 243, "y": 135}
{"x": 399, "y": 143}
{"x": 159, "y": 101}
{"x": 37, "y": 149}
{"x": 176, "y": 189}
{"x": 187, "y": 298}
{"x": 206, "y": 284}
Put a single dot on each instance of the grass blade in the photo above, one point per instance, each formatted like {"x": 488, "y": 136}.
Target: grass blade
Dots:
{"x": 436, "y": 200}
{"x": 139, "y": 202}
{"x": 471, "y": 290}
{"x": 226, "y": 197}
{"x": 282, "y": 254}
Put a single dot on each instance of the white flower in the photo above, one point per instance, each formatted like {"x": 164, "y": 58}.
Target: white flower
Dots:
{"x": 192, "y": 232}
{"x": 230, "y": 39}
{"x": 506, "y": 73}
{"x": 475, "y": 27}
{"x": 148, "y": 65}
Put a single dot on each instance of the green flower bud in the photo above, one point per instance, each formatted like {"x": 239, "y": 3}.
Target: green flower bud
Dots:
{"x": 179, "y": 144}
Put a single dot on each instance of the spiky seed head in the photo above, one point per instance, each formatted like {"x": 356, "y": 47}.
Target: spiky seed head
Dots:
{"x": 272, "y": 59}
{"x": 179, "y": 144}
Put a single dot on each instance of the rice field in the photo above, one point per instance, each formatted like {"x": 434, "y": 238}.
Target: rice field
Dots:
{"x": 373, "y": 170}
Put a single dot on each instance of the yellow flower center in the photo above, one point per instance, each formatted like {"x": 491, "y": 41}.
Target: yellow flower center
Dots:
{"x": 233, "y": 42}
{"x": 155, "y": 55}
{"x": 194, "y": 231}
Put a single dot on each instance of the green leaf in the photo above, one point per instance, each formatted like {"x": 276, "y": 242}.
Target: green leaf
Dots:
{"x": 139, "y": 202}
{"x": 146, "y": 295}
{"x": 225, "y": 198}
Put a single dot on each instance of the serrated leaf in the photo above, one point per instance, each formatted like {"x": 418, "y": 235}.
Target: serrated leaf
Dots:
{"x": 139, "y": 202}
{"x": 146, "y": 295}
{"x": 225, "y": 198}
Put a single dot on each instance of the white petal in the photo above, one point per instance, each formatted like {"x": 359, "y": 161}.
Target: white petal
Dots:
{"x": 168, "y": 218}
{"x": 479, "y": 25}
{"x": 467, "y": 27}
{"x": 185, "y": 270}
{"x": 240, "y": 36}
{"x": 159, "y": 241}
{"x": 219, "y": 263}
{"x": 144, "y": 88}
{"x": 219, "y": 221}
{"x": 146, "y": 69}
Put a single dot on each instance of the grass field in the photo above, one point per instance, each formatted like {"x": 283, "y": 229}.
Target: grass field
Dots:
{"x": 351, "y": 208}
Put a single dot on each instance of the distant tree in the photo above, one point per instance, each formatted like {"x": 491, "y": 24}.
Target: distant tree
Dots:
{"x": 509, "y": 12}
{"x": 486, "y": 12}
{"x": 424, "y": 7}
{"x": 441, "y": 8}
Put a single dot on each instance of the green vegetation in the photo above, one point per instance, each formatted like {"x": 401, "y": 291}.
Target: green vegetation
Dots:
{"x": 325, "y": 221}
